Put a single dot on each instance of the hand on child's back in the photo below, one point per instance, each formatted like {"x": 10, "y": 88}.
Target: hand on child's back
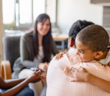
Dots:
{"x": 81, "y": 75}
{"x": 59, "y": 55}
{"x": 78, "y": 75}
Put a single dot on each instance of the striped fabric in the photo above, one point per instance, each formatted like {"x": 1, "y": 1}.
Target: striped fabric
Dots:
{"x": 58, "y": 84}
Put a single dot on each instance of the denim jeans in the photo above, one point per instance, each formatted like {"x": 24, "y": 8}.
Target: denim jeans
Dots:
{"x": 26, "y": 91}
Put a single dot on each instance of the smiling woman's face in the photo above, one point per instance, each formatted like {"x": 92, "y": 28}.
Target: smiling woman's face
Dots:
{"x": 43, "y": 27}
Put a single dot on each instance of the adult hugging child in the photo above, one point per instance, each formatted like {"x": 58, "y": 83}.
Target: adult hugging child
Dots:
{"x": 87, "y": 49}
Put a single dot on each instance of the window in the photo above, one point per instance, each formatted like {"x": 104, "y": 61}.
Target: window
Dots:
{"x": 25, "y": 11}
{"x": 8, "y": 11}
{"x": 36, "y": 5}
{"x": 20, "y": 14}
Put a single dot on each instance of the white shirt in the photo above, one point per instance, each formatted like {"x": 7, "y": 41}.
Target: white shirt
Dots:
{"x": 58, "y": 84}
{"x": 39, "y": 58}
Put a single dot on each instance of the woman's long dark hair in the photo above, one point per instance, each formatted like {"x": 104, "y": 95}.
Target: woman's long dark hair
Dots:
{"x": 47, "y": 39}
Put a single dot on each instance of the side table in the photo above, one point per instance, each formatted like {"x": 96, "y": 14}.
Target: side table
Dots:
{"x": 62, "y": 40}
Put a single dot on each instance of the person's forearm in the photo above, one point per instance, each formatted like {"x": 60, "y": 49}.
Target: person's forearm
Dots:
{"x": 13, "y": 91}
{"x": 10, "y": 83}
{"x": 28, "y": 63}
{"x": 100, "y": 83}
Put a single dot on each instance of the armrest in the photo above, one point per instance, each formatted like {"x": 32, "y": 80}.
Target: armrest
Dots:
{"x": 5, "y": 70}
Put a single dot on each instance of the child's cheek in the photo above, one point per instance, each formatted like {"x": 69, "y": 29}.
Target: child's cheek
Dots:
{"x": 84, "y": 59}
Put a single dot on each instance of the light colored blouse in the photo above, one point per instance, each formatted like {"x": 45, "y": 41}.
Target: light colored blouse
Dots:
{"x": 39, "y": 58}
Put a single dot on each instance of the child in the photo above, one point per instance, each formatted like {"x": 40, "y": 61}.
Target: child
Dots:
{"x": 19, "y": 84}
{"x": 89, "y": 47}
{"x": 82, "y": 75}
{"x": 91, "y": 43}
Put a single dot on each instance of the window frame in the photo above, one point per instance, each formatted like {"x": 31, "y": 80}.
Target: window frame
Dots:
{"x": 26, "y": 25}
{"x": 22, "y": 26}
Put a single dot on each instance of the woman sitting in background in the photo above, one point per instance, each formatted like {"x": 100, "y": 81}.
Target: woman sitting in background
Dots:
{"x": 36, "y": 48}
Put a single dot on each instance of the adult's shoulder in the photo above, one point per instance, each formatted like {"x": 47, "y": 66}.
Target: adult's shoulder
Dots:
{"x": 28, "y": 36}
{"x": 27, "y": 39}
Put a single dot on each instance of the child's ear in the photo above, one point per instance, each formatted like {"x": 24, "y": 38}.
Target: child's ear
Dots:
{"x": 98, "y": 54}
{"x": 71, "y": 42}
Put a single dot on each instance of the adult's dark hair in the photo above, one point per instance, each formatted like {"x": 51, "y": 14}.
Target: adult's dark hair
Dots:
{"x": 94, "y": 37}
{"x": 47, "y": 39}
{"x": 77, "y": 27}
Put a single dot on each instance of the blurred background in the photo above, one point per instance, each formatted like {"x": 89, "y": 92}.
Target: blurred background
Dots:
{"x": 18, "y": 16}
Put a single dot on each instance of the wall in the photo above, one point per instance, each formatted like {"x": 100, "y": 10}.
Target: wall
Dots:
{"x": 1, "y": 32}
{"x": 71, "y": 10}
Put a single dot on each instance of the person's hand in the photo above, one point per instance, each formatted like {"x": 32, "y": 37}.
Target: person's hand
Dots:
{"x": 68, "y": 71}
{"x": 43, "y": 66}
{"x": 43, "y": 77}
{"x": 80, "y": 75}
{"x": 37, "y": 77}
{"x": 59, "y": 55}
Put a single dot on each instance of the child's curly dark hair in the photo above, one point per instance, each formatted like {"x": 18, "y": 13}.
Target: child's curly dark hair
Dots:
{"x": 77, "y": 27}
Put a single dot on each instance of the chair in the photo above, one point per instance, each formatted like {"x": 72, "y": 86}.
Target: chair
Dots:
{"x": 11, "y": 53}
{"x": 5, "y": 70}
